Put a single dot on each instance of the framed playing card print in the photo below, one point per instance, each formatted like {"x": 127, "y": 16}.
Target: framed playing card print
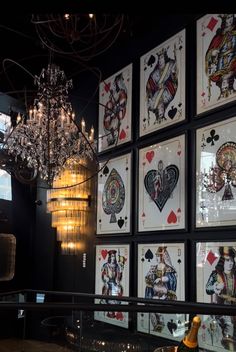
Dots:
{"x": 161, "y": 275}
{"x": 216, "y": 58}
{"x": 113, "y": 202}
{"x": 216, "y": 174}
{"x": 216, "y": 277}
{"x": 162, "y": 85}
{"x": 115, "y": 99}
{"x": 162, "y": 186}
{"x": 112, "y": 279}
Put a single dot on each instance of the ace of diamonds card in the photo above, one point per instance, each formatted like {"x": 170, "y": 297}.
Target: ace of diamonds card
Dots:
{"x": 162, "y": 186}
{"x": 113, "y": 203}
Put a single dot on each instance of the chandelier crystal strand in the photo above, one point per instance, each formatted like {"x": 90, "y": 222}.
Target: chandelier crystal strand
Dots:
{"x": 49, "y": 135}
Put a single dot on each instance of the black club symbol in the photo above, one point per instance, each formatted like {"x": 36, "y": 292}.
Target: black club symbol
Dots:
{"x": 213, "y": 137}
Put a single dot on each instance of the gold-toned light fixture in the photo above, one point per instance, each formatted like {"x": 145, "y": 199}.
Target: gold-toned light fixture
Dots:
{"x": 68, "y": 201}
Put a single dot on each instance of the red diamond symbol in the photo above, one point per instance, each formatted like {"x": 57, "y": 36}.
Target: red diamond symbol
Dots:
{"x": 211, "y": 25}
{"x": 211, "y": 257}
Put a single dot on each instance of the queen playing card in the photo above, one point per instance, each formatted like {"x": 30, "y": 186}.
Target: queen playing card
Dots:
{"x": 115, "y": 98}
{"x": 216, "y": 278}
{"x": 216, "y": 61}
{"x": 112, "y": 279}
{"x": 161, "y": 275}
{"x": 216, "y": 174}
{"x": 162, "y": 85}
{"x": 162, "y": 185}
{"x": 113, "y": 204}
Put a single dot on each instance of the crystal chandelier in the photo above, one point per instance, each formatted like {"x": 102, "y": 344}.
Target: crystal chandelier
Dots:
{"x": 49, "y": 135}
{"x": 69, "y": 204}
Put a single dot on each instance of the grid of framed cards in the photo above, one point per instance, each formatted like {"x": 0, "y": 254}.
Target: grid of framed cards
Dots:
{"x": 160, "y": 203}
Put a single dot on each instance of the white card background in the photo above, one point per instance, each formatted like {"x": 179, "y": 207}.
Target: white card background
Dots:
{"x": 172, "y": 215}
{"x": 207, "y": 256}
{"x": 208, "y": 92}
{"x": 122, "y": 165}
{"x": 119, "y": 105}
{"x": 211, "y": 210}
{"x": 122, "y": 256}
{"x": 163, "y": 88}
{"x": 148, "y": 322}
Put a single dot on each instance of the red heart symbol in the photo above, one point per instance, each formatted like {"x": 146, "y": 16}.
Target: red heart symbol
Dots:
{"x": 104, "y": 253}
{"x": 122, "y": 134}
{"x": 172, "y": 218}
{"x": 179, "y": 152}
{"x": 119, "y": 316}
{"x": 107, "y": 86}
{"x": 149, "y": 156}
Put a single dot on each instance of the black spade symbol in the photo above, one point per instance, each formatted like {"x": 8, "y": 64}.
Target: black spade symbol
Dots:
{"x": 105, "y": 170}
{"x": 172, "y": 112}
{"x": 151, "y": 60}
{"x": 120, "y": 222}
{"x": 149, "y": 255}
{"x": 171, "y": 326}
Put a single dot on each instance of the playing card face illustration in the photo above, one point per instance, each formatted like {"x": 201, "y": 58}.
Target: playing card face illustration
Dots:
{"x": 112, "y": 279}
{"x": 162, "y": 85}
{"x": 162, "y": 185}
{"x": 115, "y": 99}
{"x": 216, "y": 174}
{"x": 216, "y": 57}
{"x": 113, "y": 207}
{"x": 216, "y": 277}
{"x": 161, "y": 275}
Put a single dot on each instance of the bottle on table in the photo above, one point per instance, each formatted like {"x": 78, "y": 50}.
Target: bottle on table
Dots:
{"x": 190, "y": 341}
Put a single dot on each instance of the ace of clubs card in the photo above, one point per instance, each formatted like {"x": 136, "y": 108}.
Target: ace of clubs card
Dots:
{"x": 113, "y": 204}
{"x": 161, "y": 275}
{"x": 162, "y": 185}
{"x": 216, "y": 174}
{"x": 112, "y": 278}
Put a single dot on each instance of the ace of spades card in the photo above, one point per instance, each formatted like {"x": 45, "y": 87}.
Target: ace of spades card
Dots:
{"x": 112, "y": 279}
{"x": 162, "y": 85}
{"x": 161, "y": 275}
{"x": 162, "y": 186}
{"x": 216, "y": 57}
{"x": 115, "y": 98}
{"x": 215, "y": 269}
{"x": 216, "y": 174}
{"x": 113, "y": 203}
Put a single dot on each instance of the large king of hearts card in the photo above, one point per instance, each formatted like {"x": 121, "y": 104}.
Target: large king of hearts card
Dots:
{"x": 215, "y": 279}
{"x": 162, "y": 85}
{"x": 161, "y": 275}
{"x": 112, "y": 279}
{"x": 113, "y": 202}
{"x": 115, "y": 101}
{"x": 216, "y": 174}
{"x": 162, "y": 186}
{"x": 216, "y": 61}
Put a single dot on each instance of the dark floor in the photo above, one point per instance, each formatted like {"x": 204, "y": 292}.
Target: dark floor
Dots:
{"x": 15, "y": 345}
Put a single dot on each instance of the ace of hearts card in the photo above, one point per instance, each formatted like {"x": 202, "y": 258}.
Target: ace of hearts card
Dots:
{"x": 113, "y": 202}
{"x": 161, "y": 275}
{"x": 216, "y": 58}
{"x": 112, "y": 279}
{"x": 215, "y": 280}
{"x": 115, "y": 99}
{"x": 162, "y": 185}
{"x": 216, "y": 174}
{"x": 162, "y": 85}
